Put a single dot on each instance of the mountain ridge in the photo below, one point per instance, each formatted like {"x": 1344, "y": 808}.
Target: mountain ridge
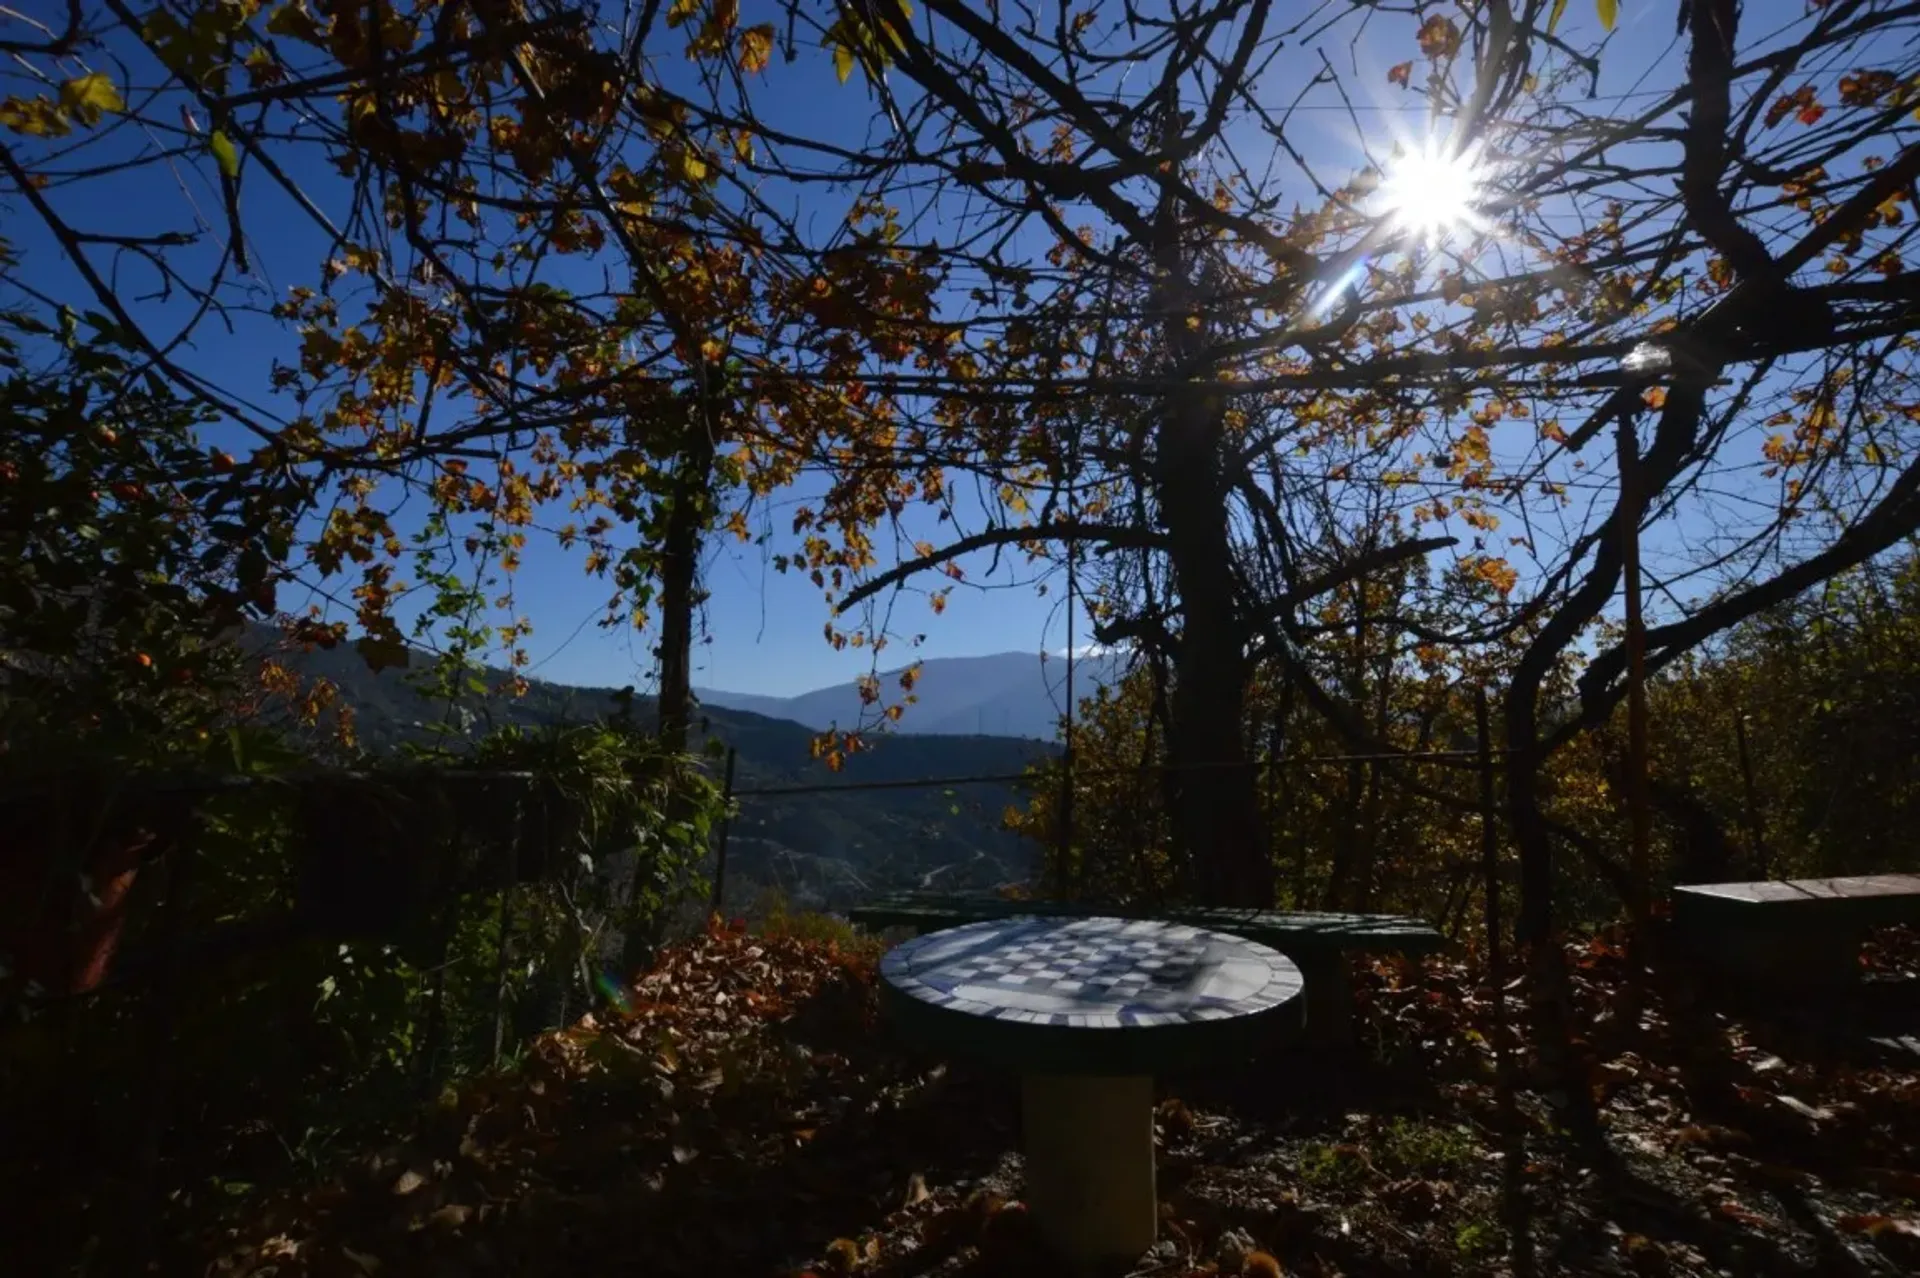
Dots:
{"x": 1007, "y": 694}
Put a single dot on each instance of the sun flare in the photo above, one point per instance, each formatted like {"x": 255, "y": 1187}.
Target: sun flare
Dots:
{"x": 1428, "y": 194}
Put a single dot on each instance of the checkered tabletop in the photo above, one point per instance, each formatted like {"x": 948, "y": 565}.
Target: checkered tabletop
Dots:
{"x": 1094, "y": 973}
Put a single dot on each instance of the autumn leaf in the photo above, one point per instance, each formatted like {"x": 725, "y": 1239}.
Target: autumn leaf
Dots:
{"x": 1439, "y": 38}
{"x": 295, "y": 22}
{"x": 756, "y": 48}
{"x": 1800, "y": 102}
{"x": 1609, "y": 13}
{"x": 1401, "y": 75}
{"x": 687, "y": 166}
{"x": 91, "y": 96}
{"x": 384, "y": 651}
{"x": 1559, "y": 11}
{"x": 1866, "y": 88}
{"x": 1874, "y": 1225}
{"x": 843, "y": 61}
{"x": 35, "y": 117}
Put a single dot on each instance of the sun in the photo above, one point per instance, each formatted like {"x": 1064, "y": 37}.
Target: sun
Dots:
{"x": 1429, "y": 192}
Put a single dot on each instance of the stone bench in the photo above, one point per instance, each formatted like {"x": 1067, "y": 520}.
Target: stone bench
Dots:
{"x": 1318, "y": 943}
{"x": 1800, "y": 936}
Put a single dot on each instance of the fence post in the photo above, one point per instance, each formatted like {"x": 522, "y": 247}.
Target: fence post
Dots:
{"x": 726, "y": 828}
{"x": 159, "y": 1011}
{"x": 1489, "y": 839}
{"x": 1514, "y": 1208}
{"x": 500, "y": 982}
{"x": 436, "y": 1015}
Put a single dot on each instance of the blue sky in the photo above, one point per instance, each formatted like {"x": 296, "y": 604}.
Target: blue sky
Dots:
{"x": 765, "y": 627}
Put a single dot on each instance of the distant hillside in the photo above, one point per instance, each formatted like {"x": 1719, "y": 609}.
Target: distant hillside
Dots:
{"x": 1008, "y": 694}
{"x": 822, "y": 849}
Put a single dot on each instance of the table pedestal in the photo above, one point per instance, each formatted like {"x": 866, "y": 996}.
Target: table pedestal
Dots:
{"x": 1089, "y": 1148}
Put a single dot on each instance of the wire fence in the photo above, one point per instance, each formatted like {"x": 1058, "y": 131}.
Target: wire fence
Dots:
{"x": 781, "y": 870}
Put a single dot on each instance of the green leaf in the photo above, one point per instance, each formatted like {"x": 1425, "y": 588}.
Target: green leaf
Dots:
{"x": 1609, "y": 11}
{"x": 1559, "y": 11}
{"x": 843, "y": 61}
{"x": 224, "y": 153}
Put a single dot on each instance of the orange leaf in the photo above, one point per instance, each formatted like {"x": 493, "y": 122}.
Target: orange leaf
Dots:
{"x": 756, "y": 47}
{"x": 1401, "y": 75}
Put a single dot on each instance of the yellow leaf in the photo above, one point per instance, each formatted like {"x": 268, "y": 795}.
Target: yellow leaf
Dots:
{"x": 1553, "y": 19}
{"x": 689, "y": 166}
{"x": 1609, "y": 11}
{"x": 35, "y": 117}
{"x": 843, "y": 61}
{"x": 756, "y": 48}
{"x": 91, "y": 96}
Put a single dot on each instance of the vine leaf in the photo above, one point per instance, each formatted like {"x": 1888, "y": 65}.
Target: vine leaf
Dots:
{"x": 225, "y": 154}
{"x": 91, "y": 96}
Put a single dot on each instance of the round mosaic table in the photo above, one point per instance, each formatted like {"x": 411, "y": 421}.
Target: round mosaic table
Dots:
{"x": 1087, "y": 1011}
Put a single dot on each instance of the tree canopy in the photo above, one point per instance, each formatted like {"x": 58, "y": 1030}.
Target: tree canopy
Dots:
{"x": 1072, "y": 284}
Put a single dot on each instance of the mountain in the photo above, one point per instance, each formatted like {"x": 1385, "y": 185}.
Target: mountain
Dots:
{"x": 830, "y": 844}
{"x": 1008, "y": 694}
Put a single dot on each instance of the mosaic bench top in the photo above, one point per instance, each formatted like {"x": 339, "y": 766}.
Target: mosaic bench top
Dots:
{"x": 1088, "y": 995}
{"x": 1300, "y": 935}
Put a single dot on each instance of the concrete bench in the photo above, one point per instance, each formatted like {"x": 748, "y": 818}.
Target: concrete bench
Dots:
{"x": 1798, "y": 935}
{"x": 1317, "y": 943}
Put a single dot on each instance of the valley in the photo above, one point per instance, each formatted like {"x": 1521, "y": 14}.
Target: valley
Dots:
{"x": 820, "y": 838}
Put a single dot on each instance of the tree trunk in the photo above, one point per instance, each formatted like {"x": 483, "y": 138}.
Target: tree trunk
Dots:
{"x": 687, "y": 519}
{"x": 1216, "y": 815}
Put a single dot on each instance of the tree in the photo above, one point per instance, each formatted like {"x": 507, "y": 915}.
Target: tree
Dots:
{"x": 1071, "y": 276}
{"x": 1360, "y": 361}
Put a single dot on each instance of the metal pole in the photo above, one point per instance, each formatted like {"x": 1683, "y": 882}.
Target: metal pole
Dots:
{"x": 726, "y": 827}
{"x": 1065, "y": 852}
{"x": 1489, "y": 840}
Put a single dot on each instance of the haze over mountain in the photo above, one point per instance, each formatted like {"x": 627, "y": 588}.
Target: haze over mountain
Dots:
{"x": 1007, "y": 694}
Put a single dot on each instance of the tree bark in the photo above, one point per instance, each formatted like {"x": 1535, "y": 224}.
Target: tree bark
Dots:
{"x": 687, "y": 519}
